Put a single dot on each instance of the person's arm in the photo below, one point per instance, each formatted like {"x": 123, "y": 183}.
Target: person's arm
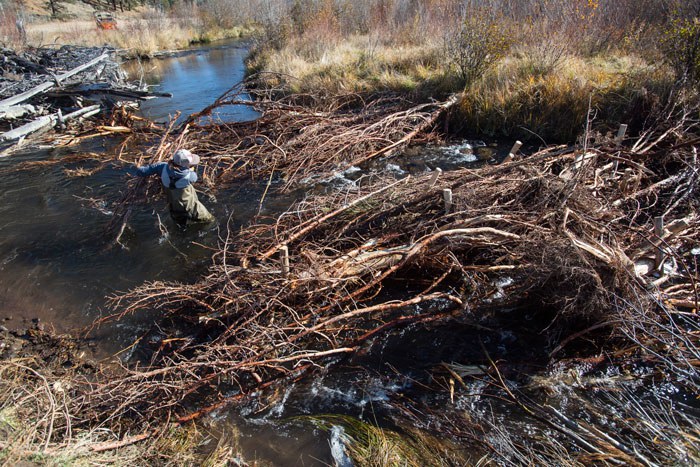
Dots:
{"x": 151, "y": 169}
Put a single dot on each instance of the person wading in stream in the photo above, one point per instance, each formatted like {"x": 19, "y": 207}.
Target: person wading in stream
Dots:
{"x": 177, "y": 176}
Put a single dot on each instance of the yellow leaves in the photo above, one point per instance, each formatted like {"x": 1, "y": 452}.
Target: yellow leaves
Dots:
{"x": 553, "y": 103}
{"x": 680, "y": 41}
{"x": 585, "y": 10}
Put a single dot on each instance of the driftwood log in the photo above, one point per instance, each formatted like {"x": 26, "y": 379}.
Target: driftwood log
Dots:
{"x": 97, "y": 80}
{"x": 47, "y": 122}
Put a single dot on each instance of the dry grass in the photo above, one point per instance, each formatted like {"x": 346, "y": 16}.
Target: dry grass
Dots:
{"x": 540, "y": 89}
{"x": 358, "y": 64}
{"x": 369, "y": 445}
{"x": 41, "y": 423}
{"x": 140, "y": 33}
{"x": 515, "y": 99}
{"x": 544, "y": 78}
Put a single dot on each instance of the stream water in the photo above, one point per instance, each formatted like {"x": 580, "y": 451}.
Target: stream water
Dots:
{"x": 56, "y": 268}
{"x": 195, "y": 78}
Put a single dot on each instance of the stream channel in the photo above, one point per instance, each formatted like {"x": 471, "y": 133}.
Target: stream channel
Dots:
{"x": 55, "y": 267}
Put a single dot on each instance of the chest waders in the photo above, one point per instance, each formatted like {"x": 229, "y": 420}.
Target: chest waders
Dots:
{"x": 183, "y": 202}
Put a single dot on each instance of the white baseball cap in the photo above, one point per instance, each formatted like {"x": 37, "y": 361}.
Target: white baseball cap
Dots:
{"x": 185, "y": 158}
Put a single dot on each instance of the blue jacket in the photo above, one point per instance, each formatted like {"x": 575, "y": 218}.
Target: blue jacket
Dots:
{"x": 171, "y": 176}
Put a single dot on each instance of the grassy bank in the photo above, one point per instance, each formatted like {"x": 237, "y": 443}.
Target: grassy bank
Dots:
{"x": 531, "y": 71}
{"x": 137, "y": 36}
{"x": 141, "y": 32}
{"x": 509, "y": 100}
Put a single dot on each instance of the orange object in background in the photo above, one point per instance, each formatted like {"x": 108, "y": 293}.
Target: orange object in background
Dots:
{"x": 105, "y": 20}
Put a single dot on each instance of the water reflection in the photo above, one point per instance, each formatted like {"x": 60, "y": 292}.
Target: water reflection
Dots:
{"x": 195, "y": 79}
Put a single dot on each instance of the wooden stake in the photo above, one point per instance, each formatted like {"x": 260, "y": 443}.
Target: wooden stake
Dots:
{"x": 659, "y": 232}
{"x": 516, "y": 147}
{"x": 621, "y": 133}
{"x": 435, "y": 176}
{"x": 618, "y": 139}
{"x": 284, "y": 259}
{"x": 447, "y": 196}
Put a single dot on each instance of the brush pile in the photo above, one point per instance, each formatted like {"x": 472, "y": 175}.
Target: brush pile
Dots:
{"x": 302, "y": 139}
{"x": 22, "y": 71}
{"x": 601, "y": 235}
{"x": 297, "y": 141}
{"x": 45, "y": 88}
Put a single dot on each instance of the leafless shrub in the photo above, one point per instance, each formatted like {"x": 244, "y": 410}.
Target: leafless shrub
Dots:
{"x": 189, "y": 15}
{"x": 224, "y": 13}
{"x": 543, "y": 56}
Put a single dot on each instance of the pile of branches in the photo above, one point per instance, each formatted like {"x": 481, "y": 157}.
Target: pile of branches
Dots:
{"x": 296, "y": 142}
{"x": 47, "y": 88}
{"x": 601, "y": 235}
{"x": 302, "y": 139}
{"x": 22, "y": 71}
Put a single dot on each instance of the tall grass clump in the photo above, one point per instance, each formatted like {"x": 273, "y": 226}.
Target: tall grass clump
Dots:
{"x": 525, "y": 67}
{"x": 366, "y": 444}
{"x": 552, "y": 103}
{"x": 341, "y": 46}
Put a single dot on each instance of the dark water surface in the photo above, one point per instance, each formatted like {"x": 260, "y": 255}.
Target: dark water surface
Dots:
{"x": 54, "y": 263}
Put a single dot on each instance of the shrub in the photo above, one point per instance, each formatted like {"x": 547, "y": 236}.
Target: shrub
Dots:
{"x": 544, "y": 56}
{"x": 681, "y": 42}
{"x": 478, "y": 44}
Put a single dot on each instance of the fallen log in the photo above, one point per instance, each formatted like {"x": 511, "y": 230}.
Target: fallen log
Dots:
{"x": 17, "y": 111}
{"x": 46, "y": 122}
{"x": 14, "y": 100}
{"x": 93, "y": 90}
